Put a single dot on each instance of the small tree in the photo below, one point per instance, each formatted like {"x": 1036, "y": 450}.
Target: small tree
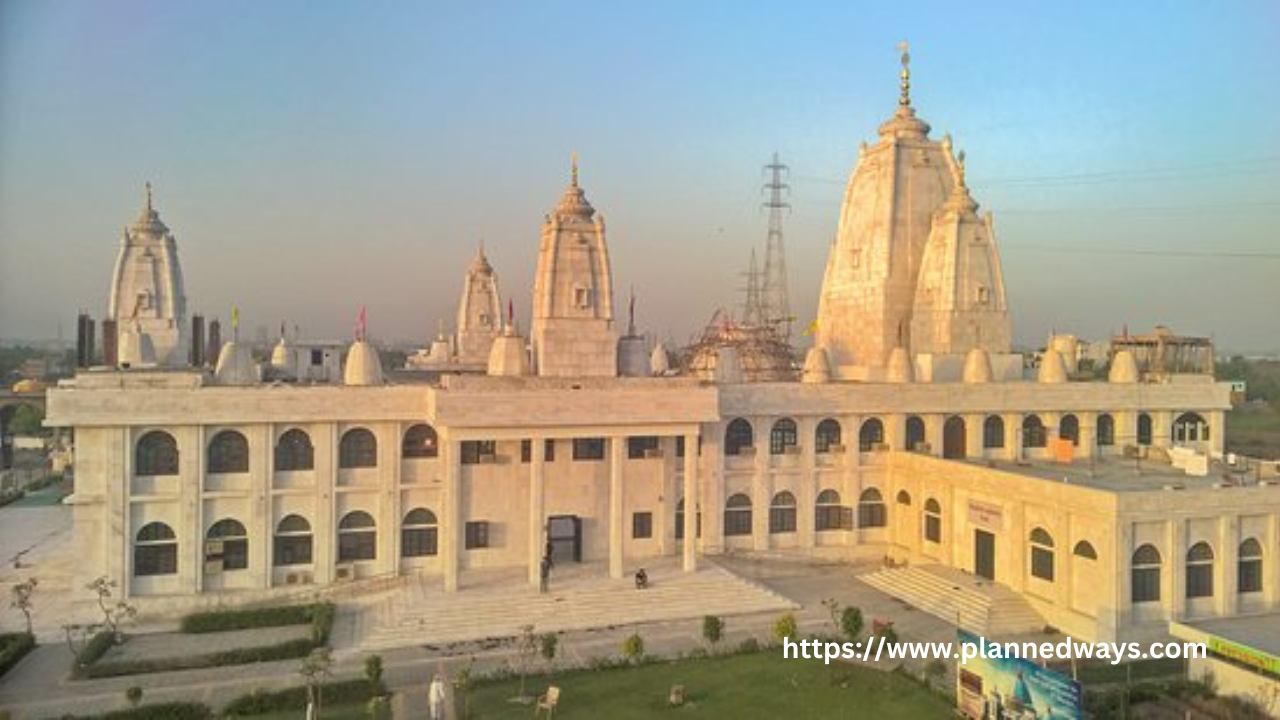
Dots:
{"x": 785, "y": 627}
{"x": 833, "y": 611}
{"x": 934, "y": 672}
{"x": 527, "y": 646}
{"x": 462, "y": 686}
{"x": 712, "y": 630}
{"x": 22, "y": 594}
{"x": 78, "y": 639}
{"x": 112, "y": 615}
{"x": 133, "y": 695}
{"x": 851, "y": 622}
{"x": 889, "y": 634}
{"x": 27, "y": 420}
{"x": 550, "y": 643}
{"x": 373, "y": 673}
{"x": 633, "y": 648}
{"x": 315, "y": 669}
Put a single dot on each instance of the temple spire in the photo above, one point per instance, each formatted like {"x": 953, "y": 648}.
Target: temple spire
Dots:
{"x": 905, "y": 99}
{"x": 573, "y": 164}
{"x": 148, "y": 197}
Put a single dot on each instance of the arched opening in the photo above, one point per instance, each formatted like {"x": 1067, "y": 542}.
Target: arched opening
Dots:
{"x": 737, "y": 515}
{"x": 1249, "y": 572}
{"x": 1069, "y": 429}
{"x": 782, "y": 438}
{"x": 1106, "y": 430}
{"x": 157, "y": 454}
{"x": 1145, "y": 574}
{"x": 915, "y": 433}
{"x": 871, "y": 510}
{"x": 679, "y": 520}
{"x": 292, "y": 541}
{"x": 993, "y": 432}
{"x": 1200, "y": 571}
{"x": 782, "y": 513}
{"x": 357, "y": 449}
{"x": 1084, "y": 549}
{"x": 155, "y": 551}
{"x": 954, "y": 438}
{"x": 419, "y": 534}
{"x": 826, "y": 436}
{"x": 231, "y": 544}
{"x": 357, "y": 537}
{"x": 1144, "y": 429}
{"x": 1033, "y": 434}
{"x": 870, "y": 435}
{"x": 738, "y": 435}
{"x": 904, "y": 497}
{"x": 1190, "y": 428}
{"x": 932, "y": 521}
{"x": 1042, "y": 554}
{"x": 228, "y": 453}
{"x": 420, "y": 441}
{"x": 294, "y": 451}
{"x": 829, "y": 514}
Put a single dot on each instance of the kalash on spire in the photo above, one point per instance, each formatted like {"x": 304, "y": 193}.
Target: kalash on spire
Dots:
{"x": 914, "y": 275}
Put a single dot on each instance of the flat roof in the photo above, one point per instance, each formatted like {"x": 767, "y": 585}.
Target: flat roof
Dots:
{"x": 1117, "y": 474}
{"x": 1259, "y": 633}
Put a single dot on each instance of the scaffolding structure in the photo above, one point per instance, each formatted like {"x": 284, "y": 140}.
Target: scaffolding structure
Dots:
{"x": 1162, "y": 353}
{"x": 762, "y": 352}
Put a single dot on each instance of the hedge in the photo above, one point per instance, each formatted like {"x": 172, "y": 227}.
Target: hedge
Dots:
{"x": 13, "y": 647}
{"x": 226, "y": 620}
{"x": 260, "y": 702}
{"x": 158, "y": 711}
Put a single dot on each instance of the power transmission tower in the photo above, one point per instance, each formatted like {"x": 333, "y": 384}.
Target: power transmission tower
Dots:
{"x": 773, "y": 294}
{"x": 753, "y": 310}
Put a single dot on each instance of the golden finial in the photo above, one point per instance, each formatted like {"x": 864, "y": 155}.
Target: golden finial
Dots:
{"x": 573, "y": 159}
{"x": 905, "y": 98}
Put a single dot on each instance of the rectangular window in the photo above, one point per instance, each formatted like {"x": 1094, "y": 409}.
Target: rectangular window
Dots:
{"x": 548, "y": 451}
{"x": 293, "y": 550}
{"x": 419, "y": 542}
{"x": 1250, "y": 579}
{"x": 639, "y": 448}
{"x": 473, "y": 450}
{"x": 1199, "y": 580}
{"x": 737, "y": 522}
{"x": 161, "y": 559}
{"x": 477, "y": 534}
{"x": 1146, "y": 584}
{"x": 933, "y": 528}
{"x": 832, "y": 517}
{"x": 357, "y": 545}
{"x": 641, "y": 525}
{"x": 782, "y": 520}
{"x": 588, "y": 448}
{"x": 1042, "y": 563}
{"x": 317, "y": 357}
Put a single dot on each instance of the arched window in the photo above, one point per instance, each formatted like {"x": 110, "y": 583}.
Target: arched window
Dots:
{"x": 870, "y": 435}
{"x": 1200, "y": 571}
{"x": 915, "y": 432}
{"x": 1106, "y": 430}
{"x": 932, "y": 521}
{"x": 1084, "y": 549}
{"x": 783, "y": 436}
{"x": 1145, "y": 574}
{"x": 235, "y": 544}
{"x": 357, "y": 537}
{"x": 157, "y": 454}
{"x": 697, "y": 521}
{"x": 871, "y": 509}
{"x": 1144, "y": 429}
{"x": 1069, "y": 429}
{"x": 420, "y": 441}
{"x": 1249, "y": 572}
{"x": 826, "y": 436}
{"x": 993, "y": 432}
{"x": 228, "y": 453}
{"x": 737, "y": 515}
{"x": 1041, "y": 554}
{"x": 737, "y": 436}
{"x": 358, "y": 449}
{"x": 829, "y": 514}
{"x": 904, "y": 497}
{"x": 292, "y": 544}
{"x": 955, "y": 438}
{"x": 782, "y": 513}
{"x": 418, "y": 534}
{"x": 1033, "y": 435}
{"x": 155, "y": 550}
{"x": 1190, "y": 427}
{"x": 294, "y": 451}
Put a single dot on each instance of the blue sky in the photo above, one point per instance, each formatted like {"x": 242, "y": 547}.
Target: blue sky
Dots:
{"x": 313, "y": 157}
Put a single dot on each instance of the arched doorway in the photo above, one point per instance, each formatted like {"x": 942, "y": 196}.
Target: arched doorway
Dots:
{"x": 953, "y": 438}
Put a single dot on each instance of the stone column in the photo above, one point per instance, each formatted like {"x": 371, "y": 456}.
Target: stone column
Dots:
{"x": 451, "y": 532}
{"x": 712, "y": 461}
{"x": 934, "y": 432}
{"x": 615, "y": 506}
{"x": 1174, "y": 558}
{"x": 690, "y": 559}
{"x": 1162, "y": 428}
{"x": 537, "y": 508}
{"x": 1087, "y": 445}
{"x": 192, "y": 508}
{"x": 1217, "y": 430}
{"x": 1225, "y": 596}
{"x": 760, "y": 485}
{"x": 1270, "y": 560}
{"x": 808, "y": 491}
{"x": 1013, "y": 436}
{"x": 974, "y": 435}
{"x": 263, "y": 482}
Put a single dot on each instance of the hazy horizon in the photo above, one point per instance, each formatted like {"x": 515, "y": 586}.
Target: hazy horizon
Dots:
{"x": 313, "y": 158}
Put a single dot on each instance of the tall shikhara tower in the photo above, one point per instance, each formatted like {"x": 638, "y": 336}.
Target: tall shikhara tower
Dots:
{"x": 479, "y": 311}
{"x": 912, "y": 266}
{"x": 573, "y": 327}
{"x": 147, "y": 296}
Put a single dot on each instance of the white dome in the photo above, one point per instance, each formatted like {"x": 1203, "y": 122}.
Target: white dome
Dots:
{"x": 283, "y": 358}
{"x": 1124, "y": 369}
{"x": 898, "y": 368}
{"x": 507, "y": 356}
{"x": 1052, "y": 368}
{"x": 817, "y": 368}
{"x": 658, "y": 362}
{"x": 363, "y": 365}
{"x": 977, "y": 367}
{"x": 633, "y": 359}
{"x": 236, "y": 365}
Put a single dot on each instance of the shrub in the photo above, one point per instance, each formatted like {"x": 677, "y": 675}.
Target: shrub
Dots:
{"x": 13, "y": 647}
{"x": 97, "y": 647}
{"x": 890, "y": 635}
{"x": 550, "y": 642}
{"x": 226, "y": 620}
{"x": 633, "y": 648}
{"x": 133, "y": 695}
{"x": 373, "y": 674}
{"x": 712, "y": 629}
{"x": 158, "y": 711}
{"x": 851, "y": 622}
{"x": 750, "y": 645}
{"x": 260, "y": 702}
{"x": 784, "y": 627}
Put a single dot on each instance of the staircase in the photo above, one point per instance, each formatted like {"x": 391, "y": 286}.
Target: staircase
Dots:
{"x": 983, "y": 607}
{"x": 424, "y": 615}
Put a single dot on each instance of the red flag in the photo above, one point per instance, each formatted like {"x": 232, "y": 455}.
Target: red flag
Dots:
{"x": 362, "y": 324}
{"x": 511, "y": 312}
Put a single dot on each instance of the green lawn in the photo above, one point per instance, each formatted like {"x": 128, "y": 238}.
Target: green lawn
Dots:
{"x": 760, "y": 685}
{"x": 1254, "y": 431}
{"x": 350, "y": 711}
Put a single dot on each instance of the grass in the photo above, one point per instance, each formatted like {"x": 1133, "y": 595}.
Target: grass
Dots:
{"x": 738, "y": 686}
{"x": 1254, "y": 431}
{"x": 347, "y": 711}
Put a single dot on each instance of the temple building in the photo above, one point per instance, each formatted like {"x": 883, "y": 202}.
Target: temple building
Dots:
{"x": 1105, "y": 508}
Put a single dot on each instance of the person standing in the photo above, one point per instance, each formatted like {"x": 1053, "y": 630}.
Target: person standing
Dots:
{"x": 545, "y": 574}
{"x": 436, "y": 698}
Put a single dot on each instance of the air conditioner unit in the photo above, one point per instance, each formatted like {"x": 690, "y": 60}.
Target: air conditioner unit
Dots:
{"x": 344, "y": 572}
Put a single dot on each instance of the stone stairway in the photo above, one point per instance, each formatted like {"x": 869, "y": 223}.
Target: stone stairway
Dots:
{"x": 424, "y": 615}
{"x": 984, "y": 608}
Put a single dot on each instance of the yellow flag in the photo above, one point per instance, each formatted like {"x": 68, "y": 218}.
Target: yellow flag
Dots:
{"x": 235, "y": 318}
{"x": 813, "y": 327}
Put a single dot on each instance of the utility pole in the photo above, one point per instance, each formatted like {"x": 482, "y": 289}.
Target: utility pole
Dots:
{"x": 774, "y": 295}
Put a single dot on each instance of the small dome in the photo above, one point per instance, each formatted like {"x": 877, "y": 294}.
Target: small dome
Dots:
{"x": 283, "y": 358}
{"x": 633, "y": 359}
{"x": 658, "y": 362}
{"x": 1052, "y": 368}
{"x": 364, "y": 367}
{"x": 136, "y": 349}
{"x": 977, "y": 367}
{"x": 1124, "y": 369}
{"x": 236, "y": 365}
{"x": 898, "y": 368}
{"x": 507, "y": 356}
{"x": 817, "y": 368}
{"x": 28, "y": 386}
{"x": 728, "y": 365}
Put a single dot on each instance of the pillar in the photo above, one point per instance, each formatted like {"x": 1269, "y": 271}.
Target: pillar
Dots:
{"x": 690, "y": 559}
{"x": 537, "y": 508}
{"x": 760, "y": 485}
{"x": 807, "y": 490}
{"x": 615, "y": 506}
{"x": 451, "y": 537}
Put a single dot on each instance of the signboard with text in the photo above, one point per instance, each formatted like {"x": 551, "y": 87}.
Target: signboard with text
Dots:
{"x": 1000, "y": 688}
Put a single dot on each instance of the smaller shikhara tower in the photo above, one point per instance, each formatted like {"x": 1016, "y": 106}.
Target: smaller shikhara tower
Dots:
{"x": 479, "y": 312}
{"x": 147, "y": 296}
{"x": 573, "y": 328}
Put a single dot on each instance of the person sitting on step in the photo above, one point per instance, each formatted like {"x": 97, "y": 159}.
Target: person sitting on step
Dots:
{"x": 642, "y": 579}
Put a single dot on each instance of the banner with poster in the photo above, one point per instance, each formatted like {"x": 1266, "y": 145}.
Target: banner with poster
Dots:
{"x": 1000, "y": 688}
